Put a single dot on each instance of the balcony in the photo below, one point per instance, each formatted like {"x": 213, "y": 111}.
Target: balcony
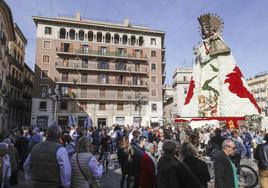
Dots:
{"x": 99, "y": 53}
{"x": 27, "y": 96}
{"x": 113, "y": 67}
{"x": 15, "y": 82}
{"x": 17, "y": 64}
{"x": 107, "y": 97}
{"x": 28, "y": 82}
{"x": 103, "y": 82}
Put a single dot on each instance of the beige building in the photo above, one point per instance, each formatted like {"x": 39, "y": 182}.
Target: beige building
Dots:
{"x": 259, "y": 88}
{"x": 16, "y": 77}
{"x": 7, "y": 34}
{"x": 181, "y": 80}
{"x": 112, "y": 72}
{"x": 168, "y": 104}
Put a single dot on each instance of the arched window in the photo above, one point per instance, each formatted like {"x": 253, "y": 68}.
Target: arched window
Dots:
{"x": 141, "y": 41}
{"x": 90, "y": 36}
{"x": 108, "y": 38}
{"x": 81, "y": 35}
{"x": 124, "y": 39}
{"x": 72, "y": 34}
{"x": 133, "y": 40}
{"x": 116, "y": 38}
{"x": 99, "y": 37}
{"x": 62, "y": 33}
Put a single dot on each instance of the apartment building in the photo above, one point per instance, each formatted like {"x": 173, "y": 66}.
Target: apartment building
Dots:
{"x": 181, "y": 80}
{"x": 168, "y": 104}
{"x": 111, "y": 72}
{"x": 7, "y": 34}
{"x": 259, "y": 88}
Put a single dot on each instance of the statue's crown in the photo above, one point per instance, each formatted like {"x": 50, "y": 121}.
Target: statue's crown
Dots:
{"x": 204, "y": 20}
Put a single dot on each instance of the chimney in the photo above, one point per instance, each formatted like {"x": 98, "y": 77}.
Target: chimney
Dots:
{"x": 78, "y": 16}
{"x": 126, "y": 22}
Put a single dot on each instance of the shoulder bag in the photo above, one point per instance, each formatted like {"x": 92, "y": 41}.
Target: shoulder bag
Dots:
{"x": 92, "y": 181}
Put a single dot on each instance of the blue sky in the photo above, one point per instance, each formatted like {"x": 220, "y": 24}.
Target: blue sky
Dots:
{"x": 245, "y": 25}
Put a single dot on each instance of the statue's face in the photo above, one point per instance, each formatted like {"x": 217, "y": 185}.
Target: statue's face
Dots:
{"x": 206, "y": 31}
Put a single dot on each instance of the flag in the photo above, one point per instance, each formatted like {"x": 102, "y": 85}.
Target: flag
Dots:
{"x": 88, "y": 122}
{"x": 71, "y": 121}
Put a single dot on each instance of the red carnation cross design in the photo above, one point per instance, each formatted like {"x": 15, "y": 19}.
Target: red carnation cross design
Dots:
{"x": 236, "y": 86}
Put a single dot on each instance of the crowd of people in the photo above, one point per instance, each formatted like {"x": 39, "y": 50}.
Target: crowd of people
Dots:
{"x": 149, "y": 157}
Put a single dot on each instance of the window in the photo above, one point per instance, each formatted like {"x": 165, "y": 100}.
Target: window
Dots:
{"x": 102, "y": 106}
{"x": 184, "y": 78}
{"x": 137, "y": 120}
{"x": 103, "y": 79}
{"x": 46, "y": 58}
{"x": 153, "y": 79}
{"x": 103, "y": 65}
{"x": 153, "y": 41}
{"x": 99, "y": 37}
{"x": 120, "y": 106}
{"x": 153, "y": 53}
{"x": 46, "y": 45}
{"x": 90, "y": 36}
{"x": 65, "y": 77}
{"x": 154, "y": 107}
{"x": 153, "y": 93}
{"x": 185, "y": 90}
{"x": 84, "y": 63}
{"x": 103, "y": 50}
{"x": 81, "y": 35}
{"x": 83, "y": 93}
{"x": 85, "y": 49}
{"x": 84, "y": 77}
{"x": 116, "y": 38}
{"x": 120, "y": 66}
{"x": 137, "y": 53}
{"x": 64, "y": 105}
{"x": 64, "y": 91}
{"x": 153, "y": 66}
{"x": 62, "y": 33}
{"x": 121, "y": 51}
{"x": 44, "y": 74}
{"x": 48, "y": 30}
{"x": 43, "y": 106}
{"x": 43, "y": 89}
{"x": 120, "y": 120}
{"x": 102, "y": 93}
{"x": 83, "y": 106}
{"x": 124, "y": 39}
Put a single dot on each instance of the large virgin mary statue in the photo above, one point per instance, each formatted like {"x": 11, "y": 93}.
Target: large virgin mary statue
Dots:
{"x": 217, "y": 88}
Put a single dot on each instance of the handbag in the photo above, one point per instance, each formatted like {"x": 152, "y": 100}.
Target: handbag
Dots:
{"x": 92, "y": 182}
{"x": 192, "y": 174}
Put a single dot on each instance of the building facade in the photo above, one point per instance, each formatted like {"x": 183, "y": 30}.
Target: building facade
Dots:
{"x": 7, "y": 34}
{"x": 28, "y": 86}
{"x": 168, "y": 104}
{"x": 111, "y": 72}
{"x": 181, "y": 80}
{"x": 259, "y": 88}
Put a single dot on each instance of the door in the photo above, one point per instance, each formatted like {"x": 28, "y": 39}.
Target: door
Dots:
{"x": 101, "y": 122}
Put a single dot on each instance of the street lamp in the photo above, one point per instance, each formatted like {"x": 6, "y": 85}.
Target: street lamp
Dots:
{"x": 139, "y": 99}
{"x": 56, "y": 96}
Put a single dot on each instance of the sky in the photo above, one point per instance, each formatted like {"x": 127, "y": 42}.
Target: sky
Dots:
{"x": 245, "y": 25}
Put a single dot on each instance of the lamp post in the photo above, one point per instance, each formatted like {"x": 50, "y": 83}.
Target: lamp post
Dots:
{"x": 139, "y": 100}
{"x": 56, "y": 96}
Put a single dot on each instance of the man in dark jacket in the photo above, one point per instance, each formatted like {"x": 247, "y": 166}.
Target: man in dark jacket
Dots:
{"x": 215, "y": 143}
{"x": 225, "y": 171}
{"x": 261, "y": 155}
